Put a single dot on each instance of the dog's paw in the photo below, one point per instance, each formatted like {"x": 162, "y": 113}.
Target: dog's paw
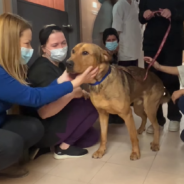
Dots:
{"x": 135, "y": 156}
{"x": 140, "y": 130}
{"x": 154, "y": 147}
{"x": 98, "y": 154}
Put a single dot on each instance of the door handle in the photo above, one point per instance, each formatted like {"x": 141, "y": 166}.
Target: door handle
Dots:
{"x": 67, "y": 26}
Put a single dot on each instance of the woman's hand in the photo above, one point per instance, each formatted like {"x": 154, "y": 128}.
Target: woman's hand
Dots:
{"x": 148, "y": 14}
{"x": 148, "y": 60}
{"x": 85, "y": 78}
{"x": 166, "y": 13}
{"x": 176, "y": 95}
{"x": 79, "y": 93}
{"x": 64, "y": 77}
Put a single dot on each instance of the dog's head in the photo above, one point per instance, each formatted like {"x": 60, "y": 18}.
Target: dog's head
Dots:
{"x": 84, "y": 55}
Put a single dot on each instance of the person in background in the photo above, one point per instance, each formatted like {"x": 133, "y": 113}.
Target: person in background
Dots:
{"x": 18, "y": 132}
{"x": 111, "y": 43}
{"x": 171, "y": 54}
{"x": 125, "y": 21}
{"x": 68, "y": 121}
{"x": 103, "y": 20}
{"x": 177, "y": 96}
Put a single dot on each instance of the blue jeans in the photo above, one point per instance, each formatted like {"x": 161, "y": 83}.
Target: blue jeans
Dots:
{"x": 180, "y": 103}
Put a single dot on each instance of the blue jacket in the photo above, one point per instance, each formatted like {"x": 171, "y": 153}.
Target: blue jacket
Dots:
{"x": 13, "y": 92}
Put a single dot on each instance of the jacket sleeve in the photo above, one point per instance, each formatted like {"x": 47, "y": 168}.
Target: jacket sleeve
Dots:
{"x": 142, "y": 9}
{"x": 15, "y": 93}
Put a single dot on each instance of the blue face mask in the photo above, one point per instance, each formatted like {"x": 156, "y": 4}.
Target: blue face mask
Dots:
{"x": 111, "y": 45}
{"x": 101, "y": 1}
{"x": 26, "y": 55}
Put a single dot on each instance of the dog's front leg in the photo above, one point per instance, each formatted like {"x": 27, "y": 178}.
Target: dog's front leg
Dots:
{"x": 129, "y": 121}
{"x": 103, "y": 117}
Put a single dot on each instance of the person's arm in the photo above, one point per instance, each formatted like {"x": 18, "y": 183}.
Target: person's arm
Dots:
{"x": 55, "y": 107}
{"x": 142, "y": 9}
{"x": 118, "y": 14}
{"x": 166, "y": 69}
{"x": 169, "y": 70}
{"x": 176, "y": 95}
{"x": 15, "y": 93}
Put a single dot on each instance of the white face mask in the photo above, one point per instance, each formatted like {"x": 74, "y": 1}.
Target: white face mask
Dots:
{"x": 58, "y": 55}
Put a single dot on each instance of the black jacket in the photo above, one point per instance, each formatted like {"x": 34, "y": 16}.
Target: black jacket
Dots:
{"x": 157, "y": 26}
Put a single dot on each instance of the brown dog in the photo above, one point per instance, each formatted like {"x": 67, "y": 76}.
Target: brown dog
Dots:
{"x": 114, "y": 89}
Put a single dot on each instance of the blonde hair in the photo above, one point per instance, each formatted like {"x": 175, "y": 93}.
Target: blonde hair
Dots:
{"x": 11, "y": 28}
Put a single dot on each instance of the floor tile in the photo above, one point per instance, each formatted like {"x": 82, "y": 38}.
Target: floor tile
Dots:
{"x": 30, "y": 179}
{"x": 48, "y": 179}
{"x": 122, "y": 157}
{"x": 43, "y": 164}
{"x": 116, "y": 174}
{"x": 111, "y": 149}
{"x": 162, "y": 178}
{"x": 82, "y": 170}
{"x": 172, "y": 163}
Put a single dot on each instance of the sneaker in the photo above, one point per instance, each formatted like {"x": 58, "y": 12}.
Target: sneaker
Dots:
{"x": 150, "y": 129}
{"x": 71, "y": 152}
{"x": 174, "y": 126}
{"x": 14, "y": 171}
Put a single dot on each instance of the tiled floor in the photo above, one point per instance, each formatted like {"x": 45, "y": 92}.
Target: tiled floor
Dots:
{"x": 164, "y": 167}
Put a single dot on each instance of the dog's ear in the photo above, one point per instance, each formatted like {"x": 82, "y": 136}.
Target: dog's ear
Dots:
{"x": 105, "y": 57}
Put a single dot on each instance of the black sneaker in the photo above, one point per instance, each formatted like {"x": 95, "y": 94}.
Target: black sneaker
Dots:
{"x": 71, "y": 152}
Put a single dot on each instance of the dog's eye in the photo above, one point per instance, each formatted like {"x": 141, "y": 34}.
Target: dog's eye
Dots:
{"x": 73, "y": 52}
{"x": 85, "y": 53}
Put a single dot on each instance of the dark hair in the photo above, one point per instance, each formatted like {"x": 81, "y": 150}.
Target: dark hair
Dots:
{"x": 45, "y": 32}
{"x": 108, "y": 32}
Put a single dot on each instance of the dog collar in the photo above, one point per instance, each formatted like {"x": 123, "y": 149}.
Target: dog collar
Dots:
{"x": 99, "y": 82}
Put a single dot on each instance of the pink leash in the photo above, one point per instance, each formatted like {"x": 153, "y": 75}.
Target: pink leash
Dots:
{"x": 160, "y": 48}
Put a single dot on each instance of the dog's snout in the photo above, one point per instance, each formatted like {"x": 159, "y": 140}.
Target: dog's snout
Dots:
{"x": 69, "y": 64}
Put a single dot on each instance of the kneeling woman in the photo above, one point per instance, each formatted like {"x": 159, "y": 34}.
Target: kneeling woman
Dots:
{"x": 68, "y": 121}
{"x": 111, "y": 43}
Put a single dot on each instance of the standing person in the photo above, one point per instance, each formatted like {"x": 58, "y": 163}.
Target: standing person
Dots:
{"x": 103, "y": 20}
{"x": 125, "y": 21}
{"x": 19, "y": 132}
{"x": 171, "y": 54}
{"x": 68, "y": 121}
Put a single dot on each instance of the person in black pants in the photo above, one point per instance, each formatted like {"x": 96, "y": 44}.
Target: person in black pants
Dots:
{"x": 19, "y": 133}
{"x": 171, "y": 54}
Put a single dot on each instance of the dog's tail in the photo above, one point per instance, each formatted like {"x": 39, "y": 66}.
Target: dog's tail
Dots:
{"x": 166, "y": 97}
